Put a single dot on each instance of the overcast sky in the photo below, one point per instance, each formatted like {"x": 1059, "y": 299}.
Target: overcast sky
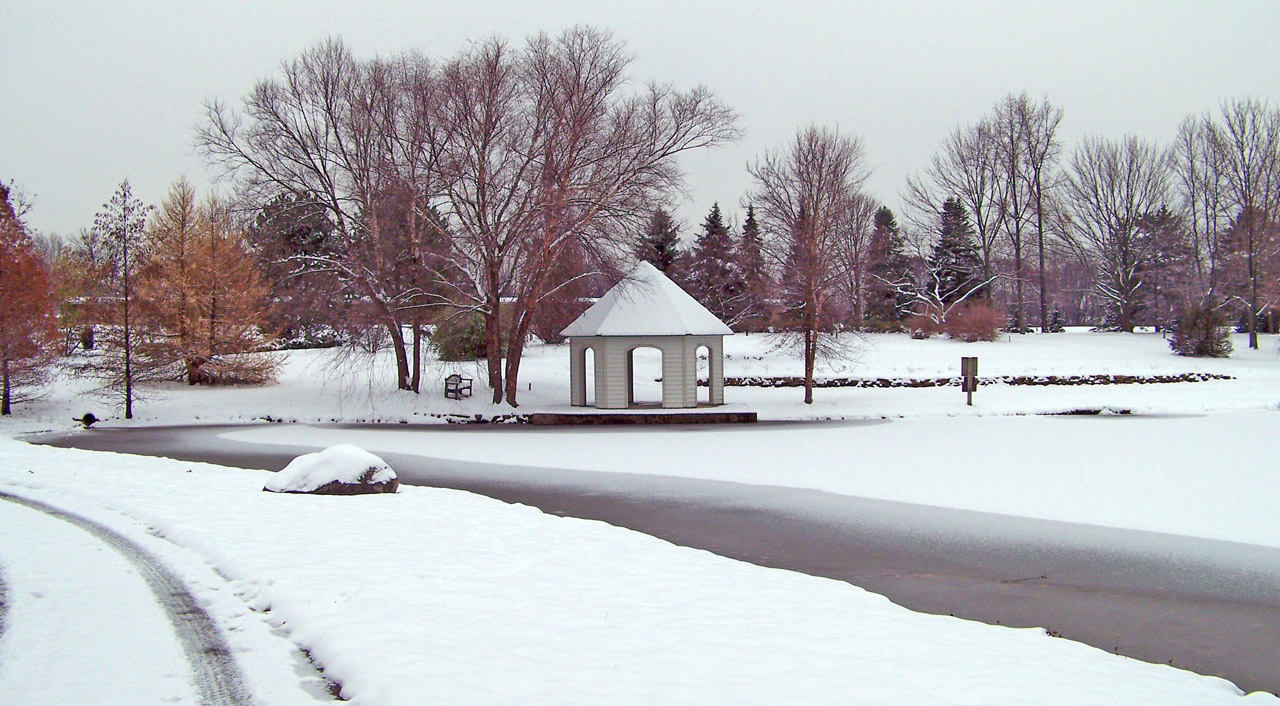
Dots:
{"x": 94, "y": 92}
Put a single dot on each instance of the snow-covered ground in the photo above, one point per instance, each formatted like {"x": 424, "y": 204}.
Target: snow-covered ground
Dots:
{"x": 439, "y": 596}
{"x": 311, "y": 389}
{"x": 435, "y": 595}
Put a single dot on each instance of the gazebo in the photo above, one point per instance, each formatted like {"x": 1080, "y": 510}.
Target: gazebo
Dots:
{"x": 645, "y": 309}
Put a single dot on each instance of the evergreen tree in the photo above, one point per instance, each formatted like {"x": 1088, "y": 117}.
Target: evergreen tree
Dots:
{"x": 714, "y": 278}
{"x": 955, "y": 264}
{"x": 888, "y": 296}
{"x": 660, "y": 242}
{"x": 288, "y": 237}
{"x": 756, "y": 285}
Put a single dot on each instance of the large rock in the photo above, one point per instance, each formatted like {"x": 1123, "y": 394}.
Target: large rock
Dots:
{"x": 338, "y": 470}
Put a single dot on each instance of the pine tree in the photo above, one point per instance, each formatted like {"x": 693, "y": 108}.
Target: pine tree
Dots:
{"x": 889, "y": 269}
{"x": 714, "y": 278}
{"x": 955, "y": 264}
{"x": 309, "y": 302}
{"x": 660, "y": 242}
{"x": 756, "y": 285}
{"x": 27, "y": 326}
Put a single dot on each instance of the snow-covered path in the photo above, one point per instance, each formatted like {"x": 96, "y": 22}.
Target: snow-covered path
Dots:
{"x": 81, "y": 626}
{"x": 102, "y": 610}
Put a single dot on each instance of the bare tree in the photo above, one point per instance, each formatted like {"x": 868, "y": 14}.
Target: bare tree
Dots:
{"x": 1110, "y": 187}
{"x": 1038, "y": 124}
{"x": 856, "y": 251}
{"x": 550, "y": 155}
{"x": 354, "y": 139}
{"x": 1199, "y": 183}
{"x": 1012, "y": 148}
{"x": 119, "y": 228}
{"x": 1248, "y": 144}
{"x": 806, "y": 193}
{"x": 485, "y": 177}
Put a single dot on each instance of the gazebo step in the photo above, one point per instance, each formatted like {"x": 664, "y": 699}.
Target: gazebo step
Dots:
{"x": 667, "y": 417}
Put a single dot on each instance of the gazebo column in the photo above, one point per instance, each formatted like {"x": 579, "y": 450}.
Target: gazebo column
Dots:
{"x": 613, "y": 381}
{"x": 577, "y": 373}
{"x": 674, "y": 379}
{"x": 715, "y": 369}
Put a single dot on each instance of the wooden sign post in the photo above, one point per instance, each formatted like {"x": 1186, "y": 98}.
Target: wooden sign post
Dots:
{"x": 969, "y": 376}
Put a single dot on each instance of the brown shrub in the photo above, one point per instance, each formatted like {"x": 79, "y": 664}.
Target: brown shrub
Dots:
{"x": 974, "y": 322}
{"x": 921, "y": 326}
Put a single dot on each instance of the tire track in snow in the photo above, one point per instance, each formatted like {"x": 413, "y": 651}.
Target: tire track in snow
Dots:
{"x": 4, "y": 601}
{"x": 214, "y": 671}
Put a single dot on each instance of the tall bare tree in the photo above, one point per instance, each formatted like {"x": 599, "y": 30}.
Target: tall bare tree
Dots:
{"x": 119, "y": 228}
{"x": 1109, "y": 188}
{"x": 1038, "y": 124}
{"x": 486, "y": 176}
{"x": 548, "y": 153}
{"x": 805, "y": 193}
{"x": 1015, "y": 193}
{"x": 357, "y": 140}
{"x": 856, "y": 251}
{"x": 1248, "y": 142}
{"x": 1200, "y": 186}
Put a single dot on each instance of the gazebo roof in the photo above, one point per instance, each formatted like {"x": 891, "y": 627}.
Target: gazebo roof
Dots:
{"x": 646, "y": 303}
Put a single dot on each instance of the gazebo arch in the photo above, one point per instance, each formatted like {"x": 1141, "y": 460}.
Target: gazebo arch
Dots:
{"x": 646, "y": 309}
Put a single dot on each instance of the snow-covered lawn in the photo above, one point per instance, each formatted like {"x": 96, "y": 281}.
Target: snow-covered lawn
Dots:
{"x": 311, "y": 390}
{"x": 439, "y": 596}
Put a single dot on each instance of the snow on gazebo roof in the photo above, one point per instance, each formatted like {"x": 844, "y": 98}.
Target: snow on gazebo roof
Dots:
{"x": 646, "y": 303}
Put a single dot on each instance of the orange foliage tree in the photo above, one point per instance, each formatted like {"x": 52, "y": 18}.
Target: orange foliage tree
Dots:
{"x": 28, "y": 330}
{"x": 202, "y": 301}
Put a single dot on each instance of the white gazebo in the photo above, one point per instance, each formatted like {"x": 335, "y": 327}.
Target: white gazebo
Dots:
{"x": 645, "y": 309}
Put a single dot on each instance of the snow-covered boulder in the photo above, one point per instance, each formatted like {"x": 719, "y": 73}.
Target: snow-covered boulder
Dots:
{"x": 338, "y": 470}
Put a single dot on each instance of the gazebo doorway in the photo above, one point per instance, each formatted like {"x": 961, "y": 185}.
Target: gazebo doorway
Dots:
{"x": 588, "y": 368}
{"x": 644, "y": 374}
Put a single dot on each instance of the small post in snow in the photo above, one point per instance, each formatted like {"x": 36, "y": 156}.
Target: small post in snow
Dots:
{"x": 969, "y": 376}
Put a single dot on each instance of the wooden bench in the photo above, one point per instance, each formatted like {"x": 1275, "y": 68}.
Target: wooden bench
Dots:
{"x": 456, "y": 387}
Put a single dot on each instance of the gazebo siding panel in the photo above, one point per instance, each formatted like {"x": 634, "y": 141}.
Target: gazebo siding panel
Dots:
{"x": 612, "y": 374}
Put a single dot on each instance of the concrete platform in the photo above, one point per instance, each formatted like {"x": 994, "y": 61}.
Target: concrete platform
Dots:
{"x": 623, "y": 417}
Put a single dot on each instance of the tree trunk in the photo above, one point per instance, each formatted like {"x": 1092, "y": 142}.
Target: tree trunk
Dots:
{"x": 128, "y": 346}
{"x": 1253, "y": 291}
{"x": 493, "y": 346}
{"x": 402, "y": 357}
{"x": 519, "y": 334}
{"x": 810, "y": 319}
{"x": 1044, "y": 309}
{"x": 416, "y": 382}
{"x": 4, "y": 403}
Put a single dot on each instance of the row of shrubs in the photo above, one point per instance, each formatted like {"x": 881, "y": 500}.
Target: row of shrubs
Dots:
{"x": 1044, "y": 380}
